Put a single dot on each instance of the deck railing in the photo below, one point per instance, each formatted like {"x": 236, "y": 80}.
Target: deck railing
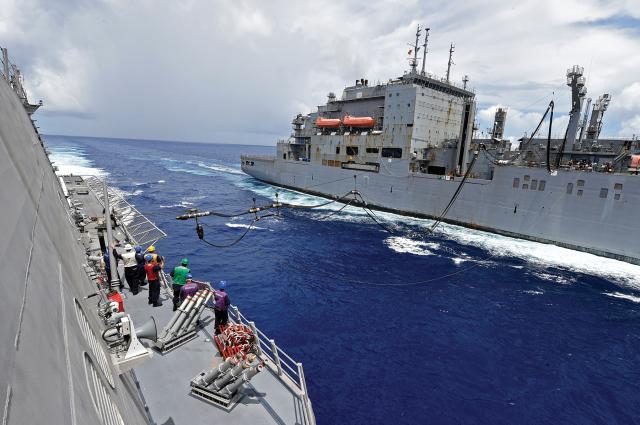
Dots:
{"x": 286, "y": 368}
{"x": 138, "y": 228}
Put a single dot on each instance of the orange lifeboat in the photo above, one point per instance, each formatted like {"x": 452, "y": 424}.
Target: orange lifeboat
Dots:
{"x": 328, "y": 122}
{"x": 362, "y": 122}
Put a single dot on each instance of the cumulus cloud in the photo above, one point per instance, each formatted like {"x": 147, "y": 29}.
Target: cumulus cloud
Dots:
{"x": 196, "y": 70}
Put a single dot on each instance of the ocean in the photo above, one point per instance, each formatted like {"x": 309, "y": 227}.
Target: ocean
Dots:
{"x": 461, "y": 327}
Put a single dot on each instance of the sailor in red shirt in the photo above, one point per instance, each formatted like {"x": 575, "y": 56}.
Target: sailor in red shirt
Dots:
{"x": 153, "y": 269}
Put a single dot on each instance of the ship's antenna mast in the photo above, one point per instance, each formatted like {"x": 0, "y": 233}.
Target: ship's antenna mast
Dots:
{"x": 451, "y": 50}
{"x": 424, "y": 49}
{"x": 414, "y": 61}
{"x": 465, "y": 80}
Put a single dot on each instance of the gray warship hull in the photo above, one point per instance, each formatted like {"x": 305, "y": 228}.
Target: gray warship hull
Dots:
{"x": 56, "y": 366}
{"x": 585, "y": 211}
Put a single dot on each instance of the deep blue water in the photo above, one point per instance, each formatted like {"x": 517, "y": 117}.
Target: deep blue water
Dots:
{"x": 519, "y": 332}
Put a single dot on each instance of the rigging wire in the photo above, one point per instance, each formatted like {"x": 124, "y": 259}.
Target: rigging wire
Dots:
{"x": 337, "y": 211}
{"x": 249, "y": 227}
{"x": 455, "y": 194}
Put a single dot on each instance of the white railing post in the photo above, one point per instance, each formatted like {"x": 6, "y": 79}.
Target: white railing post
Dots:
{"x": 252, "y": 325}
{"x": 276, "y": 356}
{"x": 305, "y": 395}
{"x": 238, "y": 317}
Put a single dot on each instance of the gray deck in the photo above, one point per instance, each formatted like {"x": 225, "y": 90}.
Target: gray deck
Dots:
{"x": 164, "y": 379}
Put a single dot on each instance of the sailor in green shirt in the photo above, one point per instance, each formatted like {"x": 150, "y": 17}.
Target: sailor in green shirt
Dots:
{"x": 179, "y": 275}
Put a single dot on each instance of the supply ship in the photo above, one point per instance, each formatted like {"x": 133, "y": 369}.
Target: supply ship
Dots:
{"x": 408, "y": 146}
{"x": 77, "y": 348}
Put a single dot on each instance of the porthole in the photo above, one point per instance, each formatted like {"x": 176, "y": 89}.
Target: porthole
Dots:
{"x": 106, "y": 409}
{"x": 94, "y": 344}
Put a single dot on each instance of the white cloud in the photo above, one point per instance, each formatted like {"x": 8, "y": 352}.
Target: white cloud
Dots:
{"x": 631, "y": 126}
{"x": 191, "y": 69}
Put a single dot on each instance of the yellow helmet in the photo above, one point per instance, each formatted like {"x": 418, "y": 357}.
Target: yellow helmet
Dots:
{"x": 151, "y": 248}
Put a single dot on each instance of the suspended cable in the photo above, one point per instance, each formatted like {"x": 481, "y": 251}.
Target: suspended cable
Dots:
{"x": 338, "y": 211}
{"x": 455, "y": 194}
{"x": 201, "y": 236}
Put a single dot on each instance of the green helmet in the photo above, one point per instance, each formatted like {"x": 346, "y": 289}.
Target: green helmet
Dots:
{"x": 185, "y": 262}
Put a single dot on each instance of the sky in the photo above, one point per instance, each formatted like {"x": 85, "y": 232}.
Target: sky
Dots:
{"x": 238, "y": 71}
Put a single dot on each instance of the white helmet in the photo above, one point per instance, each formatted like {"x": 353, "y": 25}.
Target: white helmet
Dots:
{"x": 128, "y": 247}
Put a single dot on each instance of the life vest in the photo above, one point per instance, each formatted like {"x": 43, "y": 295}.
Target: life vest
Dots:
{"x": 129, "y": 259}
{"x": 188, "y": 289}
{"x": 180, "y": 275}
{"x": 151, "y": 274}
{"x": 221, "y": 300}
{"x": 151, "y": 258}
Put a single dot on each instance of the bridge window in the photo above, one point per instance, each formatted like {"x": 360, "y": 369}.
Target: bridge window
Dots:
{"x": 569, "y": 188}
{"x": 516, "y": 182}
{"x": 579, "y": 192}
{"x": 525, "y": 186}
{"x": 616, "y": 196}
{"x": 526, "y": 178}
{"x": 372, "y": 150}
{"x": 604, "y": 192}
{"x": 534, "y": 184}
{"x": 617, "y": 186}
{"x": 352, "y": 150}
{"x": 541, "y": 185}
{"x": 337, "y": 150}
{"x": 392, "y": 152}
{"x": 580, "y": 183}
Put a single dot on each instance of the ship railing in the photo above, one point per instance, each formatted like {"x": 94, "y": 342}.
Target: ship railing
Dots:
{"x": 253, "y": 157}
{"x": 138, "y": 228}
{"x": 281, "y": 364}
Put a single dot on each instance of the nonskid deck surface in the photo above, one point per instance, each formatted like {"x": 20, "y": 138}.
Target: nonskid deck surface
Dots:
{"x": 164, "y": 379}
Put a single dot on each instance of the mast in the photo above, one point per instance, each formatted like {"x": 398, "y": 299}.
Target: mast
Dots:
{"x": 583, "y": 127}
{"x": 424, "y": 49}
{"x": 576, "y": 81}
{"x": 465, "y": 80}
{"x": 414, "y": 61}
{"x": 451, "y": 50}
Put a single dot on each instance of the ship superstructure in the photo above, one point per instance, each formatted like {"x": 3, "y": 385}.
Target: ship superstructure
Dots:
{"x": 407, "y": 143}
